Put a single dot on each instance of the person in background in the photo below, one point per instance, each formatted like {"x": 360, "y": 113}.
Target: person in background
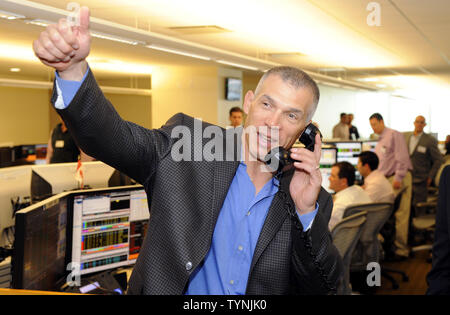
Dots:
{"x": 341, "y": 131}
{"x": 236, "y": 116}
{"x": 426, "y": 160}
{"x": 342, "y": 181}
{"x": 375, "y": 184}
{"x": 354, "y": 134}
{"x": 61, "y": 147}
{"x": 395, "y": 164}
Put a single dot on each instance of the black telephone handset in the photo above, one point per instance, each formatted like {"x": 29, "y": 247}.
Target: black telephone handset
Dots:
{"x": 279, "y": 158}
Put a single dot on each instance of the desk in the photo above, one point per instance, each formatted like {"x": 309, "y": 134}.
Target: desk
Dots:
{"x": 31, "y": 292}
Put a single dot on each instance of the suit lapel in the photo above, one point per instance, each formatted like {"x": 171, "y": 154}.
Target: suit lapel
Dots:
{"x": 275, "y": 217}
{"x": 420, "y": 142}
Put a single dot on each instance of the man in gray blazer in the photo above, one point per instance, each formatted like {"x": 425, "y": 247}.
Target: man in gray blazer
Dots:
{"x": 425, "y": 158}
{"x": 217, "y": 226}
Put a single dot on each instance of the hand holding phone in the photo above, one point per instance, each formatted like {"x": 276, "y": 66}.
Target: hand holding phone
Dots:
{"x": 278, "y": 158}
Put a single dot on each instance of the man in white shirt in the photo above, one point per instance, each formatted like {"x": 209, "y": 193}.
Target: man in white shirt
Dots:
{"x": 342, "y": 181}
{"x": 375, "y": 183}
{"x": 341, "y": 130}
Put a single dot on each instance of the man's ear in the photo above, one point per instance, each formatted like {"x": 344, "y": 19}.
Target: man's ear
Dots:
{"x": 248, "y": 99}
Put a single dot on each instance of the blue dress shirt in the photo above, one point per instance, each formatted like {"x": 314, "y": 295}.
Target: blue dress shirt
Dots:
{"x": 226, "y": 267}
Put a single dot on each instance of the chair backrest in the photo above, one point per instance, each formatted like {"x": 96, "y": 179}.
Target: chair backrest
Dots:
{"x": 346, "y": 233}
{"x": 345, "y": 236}
{"x": 368, "y": 248}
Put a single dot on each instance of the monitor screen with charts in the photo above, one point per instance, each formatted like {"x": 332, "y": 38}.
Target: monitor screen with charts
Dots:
{"x": 348, "y": 151}
{"x": 78, "y": 233}
{"x": 108, "y": 228}
{"x": 327, "y": 159}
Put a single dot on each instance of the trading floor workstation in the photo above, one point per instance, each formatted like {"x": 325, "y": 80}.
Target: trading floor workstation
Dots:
{"x": 58, "y": 234}
{"x": 117, "y": 76}
{"x": 35, "y": 216}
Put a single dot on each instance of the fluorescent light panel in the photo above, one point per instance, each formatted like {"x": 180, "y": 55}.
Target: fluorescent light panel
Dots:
{"x": 178, "y": 52}
{"x": 38, "y": 22}
{"x": 116, "y": 38}
{"x": 10, "y": 15}
{"x": 228, "y": 63}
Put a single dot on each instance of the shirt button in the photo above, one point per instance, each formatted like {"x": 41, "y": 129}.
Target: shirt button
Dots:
{"x": 231, "y": 281}
{"x": 240, "y": 247}
{"x": 188, "y": 266}
{"x": 248, "y": 213}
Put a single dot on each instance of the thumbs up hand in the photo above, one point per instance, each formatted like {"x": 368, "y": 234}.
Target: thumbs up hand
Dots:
{"x": 65, "y": 47}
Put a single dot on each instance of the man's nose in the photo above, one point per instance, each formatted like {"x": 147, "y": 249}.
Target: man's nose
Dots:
{"x": 274, "y": 119}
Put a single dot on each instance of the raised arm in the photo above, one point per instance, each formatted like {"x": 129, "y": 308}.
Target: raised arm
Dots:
{"x": 92, "y": 120}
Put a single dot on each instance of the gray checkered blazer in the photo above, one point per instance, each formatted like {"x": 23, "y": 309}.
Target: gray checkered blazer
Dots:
{"x": 185, "y": 199}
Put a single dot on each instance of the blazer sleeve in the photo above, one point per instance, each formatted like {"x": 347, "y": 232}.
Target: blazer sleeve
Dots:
{"x": 316, "y": 263}
{"x": 100, "y": 132}
{"x": 439, "y": 277}
{"x": 436, "y": 157}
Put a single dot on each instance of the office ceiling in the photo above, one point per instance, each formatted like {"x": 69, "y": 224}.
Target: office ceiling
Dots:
{"x": 409, "y": 49}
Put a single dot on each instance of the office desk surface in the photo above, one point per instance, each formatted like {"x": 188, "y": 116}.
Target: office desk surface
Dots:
{"x": 31, "y": 292}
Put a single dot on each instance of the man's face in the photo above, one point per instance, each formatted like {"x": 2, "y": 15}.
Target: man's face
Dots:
{"x": 337, "y": 184}
{"x": 277, "y": 107}
{"x": 236, "y": 119}
{"x": 377, "y": 125}
{"x": 344, "y": 119}
{"x": 362, "y": 169}
{"x": 350, "y": 118}
{"x": 419, "y": 124}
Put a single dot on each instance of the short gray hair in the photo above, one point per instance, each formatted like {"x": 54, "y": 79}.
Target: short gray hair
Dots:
{"x": 297, "y": 79}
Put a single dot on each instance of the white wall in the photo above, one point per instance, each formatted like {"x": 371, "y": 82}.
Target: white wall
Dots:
{"x": 399, "y": 113}
{"x": 224, "y": 106}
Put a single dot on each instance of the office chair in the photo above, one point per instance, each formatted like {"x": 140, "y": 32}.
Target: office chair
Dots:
{"x": 388, "y": 233}
{"x": 368, "y": 248}
{"x": 424, "y": 222}
{"x": 345, "y": 236}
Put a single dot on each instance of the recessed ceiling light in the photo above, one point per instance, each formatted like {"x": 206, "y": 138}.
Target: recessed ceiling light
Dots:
{"x": 15, "y": 69}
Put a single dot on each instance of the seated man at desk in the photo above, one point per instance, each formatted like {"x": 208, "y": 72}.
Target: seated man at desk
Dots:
{"x": 375, "y": 183}
{"x": 342, "y": 181}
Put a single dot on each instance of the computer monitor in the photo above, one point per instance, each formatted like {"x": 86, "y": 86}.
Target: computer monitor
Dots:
{"x": 109, "y": 226}
{"x": 6, "y": 156}
{"x": 14, "y": 185}
{"x": 369, "y": 145}
{"x": 39, "y": 256}
{"x": 41, "y": 154}
{"x": 51, "y": 179}
{"x": 327, "y": 159}
{"x": 349, "y": 151}
{"x": 24, "y": 154}
{"x": 87, "y": 231}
